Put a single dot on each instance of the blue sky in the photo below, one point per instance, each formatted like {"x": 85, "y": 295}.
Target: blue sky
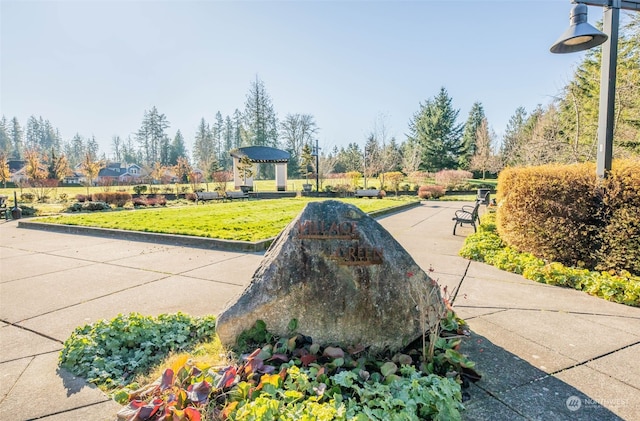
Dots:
{"x": 94, "y": 67}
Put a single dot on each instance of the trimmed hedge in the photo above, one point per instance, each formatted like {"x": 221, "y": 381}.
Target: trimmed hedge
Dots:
{"x": 114, "y": 198}
{"x": 620, "y": 236}
{"x": 566, "y": 214}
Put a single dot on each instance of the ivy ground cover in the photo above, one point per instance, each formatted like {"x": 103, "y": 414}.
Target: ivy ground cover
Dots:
{"x": 251, "y": 220}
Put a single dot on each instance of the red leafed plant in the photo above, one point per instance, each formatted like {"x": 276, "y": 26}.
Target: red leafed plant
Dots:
{"x": 181, "y": 394}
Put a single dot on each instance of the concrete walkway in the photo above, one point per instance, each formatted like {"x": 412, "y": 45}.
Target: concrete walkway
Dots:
{"x": 546, "y": 353}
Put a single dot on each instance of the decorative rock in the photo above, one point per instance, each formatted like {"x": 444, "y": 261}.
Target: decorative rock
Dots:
{"x": 344, "y": 278}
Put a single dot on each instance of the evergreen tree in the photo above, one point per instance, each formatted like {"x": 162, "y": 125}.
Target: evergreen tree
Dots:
{"x": 203, "y": 150}
{"x": 260, "y": 117}
{"x": 49, "y": 137}
{"x": 578, "y": 105}
{"x": 129, "y": 153}
{"x": 17, "y": 138}
{"x": 165, "y": 150}
{"x": 469, "y": 140}
{"x": 32, "y": 137}
{"x": 306, "y": 164}
{"x": 238, "y": 129}
{"x": 74, "y": 150}
{"x": 5, "y": 139}
{"x": 151, "y": 136}
{"x": 58, "y": 166}
{"x": 351, "y": 158}
{"x": 93, "y": 148}
{"x": 218, "y": 128}
{"x": 435, "y": 128}
{"x": 339, "y": 164}
{"x": 228, "y": 143}
{"x": 178, "y": 149}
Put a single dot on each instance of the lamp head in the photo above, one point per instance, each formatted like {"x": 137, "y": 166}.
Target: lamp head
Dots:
{"x": 580, "y": 35}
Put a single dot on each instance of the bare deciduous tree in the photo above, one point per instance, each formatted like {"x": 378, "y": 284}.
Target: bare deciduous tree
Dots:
{"x": 485, "y": 158}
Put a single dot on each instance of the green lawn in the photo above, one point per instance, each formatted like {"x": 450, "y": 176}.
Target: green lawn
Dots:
{"x": 248, "y": 220}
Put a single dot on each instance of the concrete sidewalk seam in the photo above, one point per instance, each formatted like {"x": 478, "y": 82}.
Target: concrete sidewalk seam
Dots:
{"x": 597, "y": 358}
{"x": 84, "y": 302}
{"x": 32, "y": 331}
{"x": 464, "y": 275}
{"x": 89, "y": 263}
{"x": 493, "y": 395}
{"x": 107, "y": 399}
{"x": 485, "y": 314}
{"x": 550, "y": 310}
{"x": 31, "y": 358}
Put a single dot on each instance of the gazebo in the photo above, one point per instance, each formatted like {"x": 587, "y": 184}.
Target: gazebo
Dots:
{"x": 261, "y": 155}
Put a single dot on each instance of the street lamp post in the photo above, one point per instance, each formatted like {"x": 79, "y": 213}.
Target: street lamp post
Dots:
{"x": 582, "y": 36}
{"x": 316, "y": 153}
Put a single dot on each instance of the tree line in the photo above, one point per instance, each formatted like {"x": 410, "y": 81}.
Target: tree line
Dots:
{"x": 564, "y": 131}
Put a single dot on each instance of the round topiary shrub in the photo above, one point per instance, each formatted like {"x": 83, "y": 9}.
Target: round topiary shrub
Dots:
{"x": 432, "y": 191}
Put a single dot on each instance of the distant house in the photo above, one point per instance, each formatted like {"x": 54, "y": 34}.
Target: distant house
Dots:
{"x": 15, "y": 164}
{"x": 19, "y": 176}
{"x": 117, "y": 172}
{"x": 73, "y": 177}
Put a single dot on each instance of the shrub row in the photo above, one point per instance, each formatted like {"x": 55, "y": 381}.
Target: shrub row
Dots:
{"x": 566, "y": 214}
{"x": 150, "y": 201}
{"x": 88, "y": 206}
{"x": 431, "y": 191}
{"x": 117, "y": 198}
{"x": 487, "y": 246}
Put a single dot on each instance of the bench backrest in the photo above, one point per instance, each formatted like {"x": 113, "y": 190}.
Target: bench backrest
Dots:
{"x": 476, "y": 208}
{"x": 207, "y": 194}
{"x": 236, "y": 194}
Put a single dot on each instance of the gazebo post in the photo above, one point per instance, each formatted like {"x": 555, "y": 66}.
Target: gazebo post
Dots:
{"x": 281, "y": 176}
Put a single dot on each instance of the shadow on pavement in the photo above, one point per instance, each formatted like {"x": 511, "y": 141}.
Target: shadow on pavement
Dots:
{"x": 512, "y": 389}
{"x": 72, "y": 383}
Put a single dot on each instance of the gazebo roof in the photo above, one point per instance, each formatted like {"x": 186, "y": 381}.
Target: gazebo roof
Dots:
{"x": 261, "y": 154}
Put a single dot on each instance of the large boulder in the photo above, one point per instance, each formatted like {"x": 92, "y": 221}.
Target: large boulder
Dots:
{"x": 343, "y": 277}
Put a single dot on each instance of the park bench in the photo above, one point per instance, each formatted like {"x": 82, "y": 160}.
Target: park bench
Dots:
{"x": 203, "y": 196}
{"x": 467, "y": 215}
{"x": 3, "y": 207}
{"x": 231, "y": 195}
{"x": 368, "y": 193}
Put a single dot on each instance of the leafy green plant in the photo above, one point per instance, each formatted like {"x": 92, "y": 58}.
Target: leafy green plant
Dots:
{"x": 110, "y": 353}
{"x": 303, "y": 394}
{"x": 486, "y": 246}
{"x": 293, "y": 376}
